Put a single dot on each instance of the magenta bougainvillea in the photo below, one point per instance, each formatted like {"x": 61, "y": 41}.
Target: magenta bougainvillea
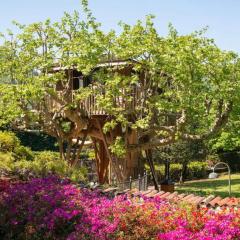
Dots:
{"x": 52, "y": 208}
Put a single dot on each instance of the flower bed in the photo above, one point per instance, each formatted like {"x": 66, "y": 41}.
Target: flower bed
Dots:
{"x": 51, "y": 208}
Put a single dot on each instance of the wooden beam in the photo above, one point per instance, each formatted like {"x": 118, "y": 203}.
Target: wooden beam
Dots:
{"x": 107, "y": 150}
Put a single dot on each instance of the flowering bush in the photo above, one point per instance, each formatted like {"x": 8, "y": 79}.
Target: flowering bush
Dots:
{"x": 51, "y": 208}
{"x": 4, "y": 185}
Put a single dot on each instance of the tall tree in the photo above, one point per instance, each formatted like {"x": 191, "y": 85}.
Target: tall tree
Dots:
{"x": 169, "y": 88}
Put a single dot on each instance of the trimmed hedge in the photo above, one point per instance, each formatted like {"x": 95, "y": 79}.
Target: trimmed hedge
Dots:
{"x": 195, "y": 170}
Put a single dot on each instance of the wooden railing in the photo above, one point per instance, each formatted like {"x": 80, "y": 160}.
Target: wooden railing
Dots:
{"x": 90, "y": 105}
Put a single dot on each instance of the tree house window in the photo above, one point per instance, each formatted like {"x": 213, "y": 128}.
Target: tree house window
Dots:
{"x": 77, "y": 82}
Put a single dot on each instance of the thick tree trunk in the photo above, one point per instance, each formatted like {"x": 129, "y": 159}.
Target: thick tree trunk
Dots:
{"x": 102, "y": 161}
{"x": 134, "y": 165}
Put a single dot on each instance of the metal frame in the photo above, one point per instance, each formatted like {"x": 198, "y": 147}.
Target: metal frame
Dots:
{"x": 229, "y": 173}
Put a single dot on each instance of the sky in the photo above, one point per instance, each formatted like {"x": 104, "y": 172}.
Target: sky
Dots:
{"x": 221, "y": 16}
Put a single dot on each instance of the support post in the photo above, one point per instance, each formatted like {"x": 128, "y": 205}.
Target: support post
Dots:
{"x": 150, "y": 162}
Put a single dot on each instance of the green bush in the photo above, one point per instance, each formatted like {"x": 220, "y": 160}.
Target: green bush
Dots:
{"x": 22, "y": 152}
{"x": 46, "y": 156}
{"x": 197, "y": 170}
{"x": 175, "y": 171}
{"x": 37, "y": 141}
{"x": 22, "y": 161}
{"x": 8, "y": 141}
{"x": 46, "y": 163}
{"x": 49, "y": 162}
{"x": 6, "y": 162}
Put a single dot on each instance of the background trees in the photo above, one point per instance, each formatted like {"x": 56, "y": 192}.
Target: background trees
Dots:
{"x": 188, "y": 87}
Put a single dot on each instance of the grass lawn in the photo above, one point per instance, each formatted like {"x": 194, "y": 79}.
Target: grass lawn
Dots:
{"x": 217, "y": 186}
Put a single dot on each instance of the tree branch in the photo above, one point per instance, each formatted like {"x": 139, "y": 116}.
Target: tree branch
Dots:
{"x": 221, "y": 121}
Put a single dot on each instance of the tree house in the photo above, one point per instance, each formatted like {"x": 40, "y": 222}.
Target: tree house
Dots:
{"x": 109, "y": 167}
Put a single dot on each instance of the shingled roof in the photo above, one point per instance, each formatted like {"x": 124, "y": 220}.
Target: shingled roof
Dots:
{"x": 209, "y": 201}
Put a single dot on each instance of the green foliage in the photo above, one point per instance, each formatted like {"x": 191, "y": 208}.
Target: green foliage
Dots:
{"x": 22, "y": 152}
{"x": 37, "y": 141}
{"x": 8, "y": 141}
{"x": 186, "y": 81}
{"x": 227, "y": 141}
{"x": 20, "y": 160}
{"x": 195, "y": 170}
{"x": 175, "y": 171}
{"x": 6, "y": 161}
{"x": 47, "y": 162}
{"x": 181, "y": 152}
{"x": 118, "y": 148}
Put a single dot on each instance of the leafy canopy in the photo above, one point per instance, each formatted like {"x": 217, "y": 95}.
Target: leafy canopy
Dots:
{"x": 187, "y": 86}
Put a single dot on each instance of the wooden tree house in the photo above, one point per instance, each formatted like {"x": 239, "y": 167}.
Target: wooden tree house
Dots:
{"x": 108, "y": 165}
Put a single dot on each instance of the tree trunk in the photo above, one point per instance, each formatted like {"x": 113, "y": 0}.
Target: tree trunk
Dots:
{"x": 184, "y": 172}
{"x": 102, "y": 161}
{"x": 61, "y": 149}
{"x": 133, "y": 163}
{"x": 68, "y": 153}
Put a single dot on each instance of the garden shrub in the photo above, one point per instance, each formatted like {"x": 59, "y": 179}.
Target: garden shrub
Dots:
{"x": 47, "y": 163}
{"x": 6, "y": 162}
{"x": 8, "y": 141}
{"x": 77, "y": 174}
{"x": 175, "y": 171}
{"x": 197, "y": 170}
{"x": 23, "y": 153}
{"x": 22, "y": 161}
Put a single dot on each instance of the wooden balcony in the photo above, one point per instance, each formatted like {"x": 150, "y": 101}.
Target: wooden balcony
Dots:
{"x": 90, "y": 105}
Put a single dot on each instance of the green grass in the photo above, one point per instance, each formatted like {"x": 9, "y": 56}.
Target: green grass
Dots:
{"x": 218, "y": 187}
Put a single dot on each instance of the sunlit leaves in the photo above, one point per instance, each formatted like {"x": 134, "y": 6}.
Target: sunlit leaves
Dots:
{"x": 148, "y": 79}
